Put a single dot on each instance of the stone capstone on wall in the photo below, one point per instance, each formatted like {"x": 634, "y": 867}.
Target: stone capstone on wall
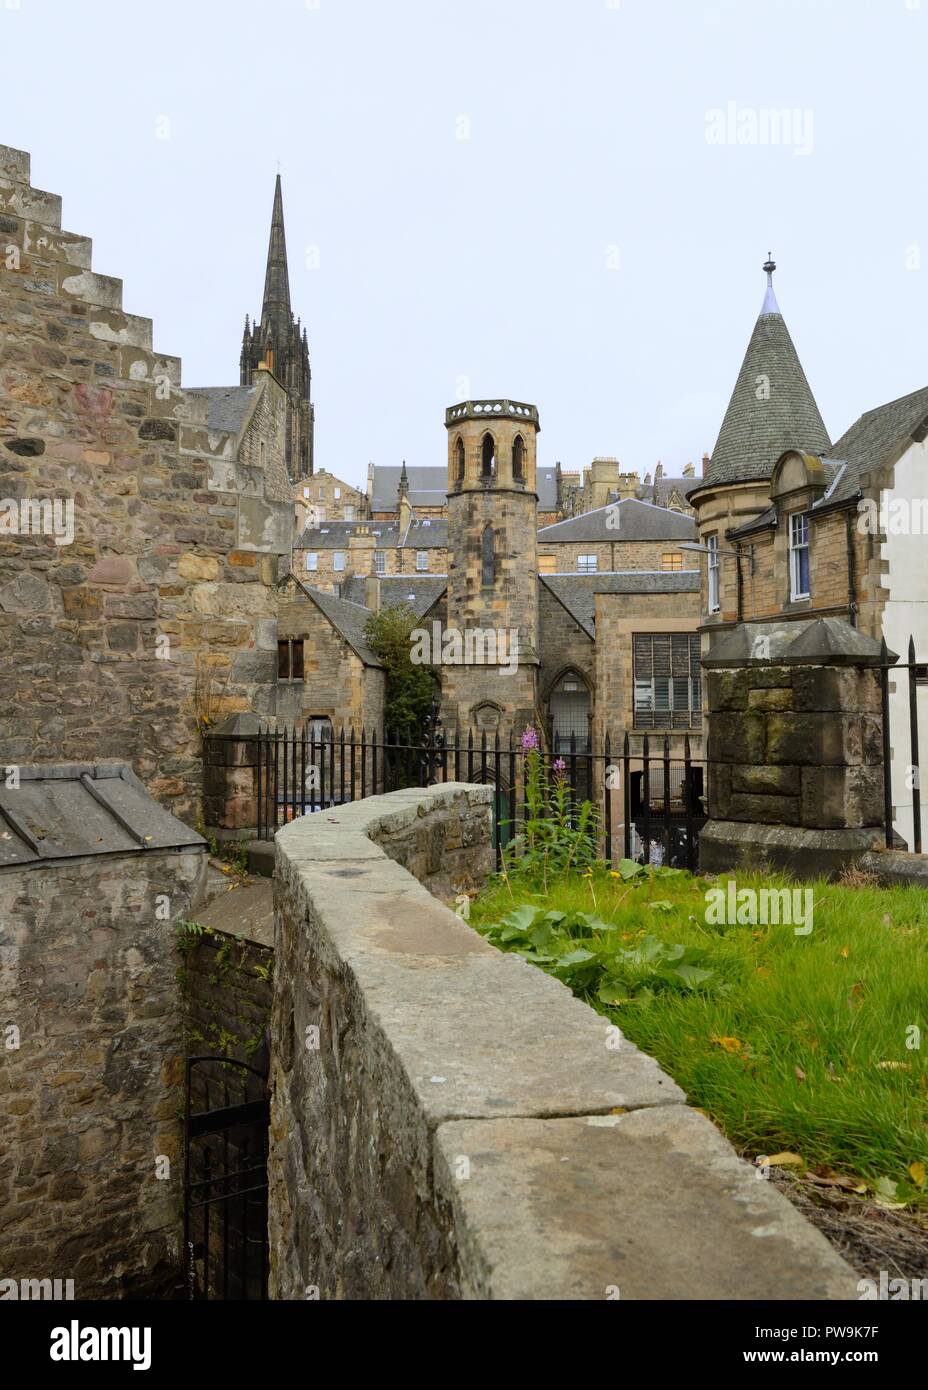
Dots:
{"x": 449, "y": 1122}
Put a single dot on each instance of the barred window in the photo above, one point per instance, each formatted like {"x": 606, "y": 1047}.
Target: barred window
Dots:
{"x": 667, "y": 680}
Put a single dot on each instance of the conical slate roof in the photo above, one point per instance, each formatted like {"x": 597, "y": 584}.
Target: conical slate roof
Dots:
{"x": 772, "y": 408}
{"x": 276, "y": 313}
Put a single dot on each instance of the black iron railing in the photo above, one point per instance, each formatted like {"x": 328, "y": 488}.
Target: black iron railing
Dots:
{"x": 650, "y": 805}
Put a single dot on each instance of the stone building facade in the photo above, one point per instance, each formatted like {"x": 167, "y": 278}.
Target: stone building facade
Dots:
{"x": 798, "y": 529}
{"x": 147, "y": 610}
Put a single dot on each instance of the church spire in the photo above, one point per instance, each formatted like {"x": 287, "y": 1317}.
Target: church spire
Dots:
{"x": 276, "y": 312}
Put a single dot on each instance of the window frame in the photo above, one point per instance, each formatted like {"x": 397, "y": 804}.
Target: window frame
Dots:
{"x": 796, "y": 551}
{"x": 422, "y": 561}
{"x": 713, "y": 572}
{"x": 645, "y": 687}
{"x": 380, "y": 562}
{"x": 338, "y": 561}
{"x": 592, "y": 567}
{"x": 291, "y": 670}
{"x": 312, "y": 561}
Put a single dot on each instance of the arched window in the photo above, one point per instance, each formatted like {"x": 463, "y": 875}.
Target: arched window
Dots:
{"x": 488, "y": 457}
{"x": 488, "y": 557}
{"x": 459, "y": 460}
{"x": 518, "y": 459}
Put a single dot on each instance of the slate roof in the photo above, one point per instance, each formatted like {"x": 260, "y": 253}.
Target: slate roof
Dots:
{"x": 77, "y": 810}
{"x": 876, "y": 435}
{"x": 421, "y": 592}
{"x": 228, "y": 405}
{"x": 637, "y": 521}
{"x": 349, "y": 619}
{"x": 428, "y": 487}
{"x": 756, "y": 432}
{"x": 422, "y": 534}
{"x": 577, "y": 592}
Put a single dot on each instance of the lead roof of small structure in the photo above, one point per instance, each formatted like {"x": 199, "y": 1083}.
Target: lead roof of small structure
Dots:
{"x": 420, "y": 592}
{"x": 82, "y": 810}
{"x": 227, "y": 405}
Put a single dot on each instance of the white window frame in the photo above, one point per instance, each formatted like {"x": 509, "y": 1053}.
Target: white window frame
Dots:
{"x": 587, "y": 564}
{"x": 799, "y": 542}
{"x": 312, "y": 560}
{"x": 713, "y": 568}
{"x": 422, "y": 561}
{"x": 338, "y": 561}
{"x": 380, "y": 562}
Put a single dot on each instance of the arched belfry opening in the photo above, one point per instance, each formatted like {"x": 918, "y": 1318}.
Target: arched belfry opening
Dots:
{"x": 459, "y": 461}
{"x": 488, "y": 557}
{"x": 518, "y": 459}
{"x": 488, "y": 457}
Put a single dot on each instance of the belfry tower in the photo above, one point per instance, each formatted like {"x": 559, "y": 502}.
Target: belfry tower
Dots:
{"x": 279, "y": 341}
{"x": 492, "y": 566}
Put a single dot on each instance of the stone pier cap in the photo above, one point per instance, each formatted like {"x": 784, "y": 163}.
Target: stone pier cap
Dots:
{"x": 464, "y": 1127}
{"x": 809, "y": 642}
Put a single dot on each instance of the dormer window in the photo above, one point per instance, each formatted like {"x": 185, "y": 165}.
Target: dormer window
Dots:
{"x": 799, "y": 575}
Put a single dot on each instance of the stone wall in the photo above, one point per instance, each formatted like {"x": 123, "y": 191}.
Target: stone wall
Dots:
{"x": 91, "y": 1097}
{"x": 449, "y": 1122}
{"x": 160, "y": 611}
{"x": 616, "y": 555}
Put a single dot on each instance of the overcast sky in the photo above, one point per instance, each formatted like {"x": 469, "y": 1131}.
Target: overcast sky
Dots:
{"x": 566, "y": 202}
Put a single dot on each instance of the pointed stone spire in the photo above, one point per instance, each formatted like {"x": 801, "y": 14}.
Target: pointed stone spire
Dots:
{"x": 772, "y": 407}
{"x": 404, "y": 481}
{"x": 276, "y": 313}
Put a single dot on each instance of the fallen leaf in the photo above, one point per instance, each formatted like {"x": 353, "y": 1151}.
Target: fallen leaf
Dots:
{"x": 893, "y": 1066}
{"x": 729, "y": 1044}
{"x": 917, "y": 1174}
{"x": 845, "y": 952}
{"x": 784, "y": 1160}
{"x": 800, "y": 1074}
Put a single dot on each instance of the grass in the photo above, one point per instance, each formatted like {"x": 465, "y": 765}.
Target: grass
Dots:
{"x": 795, "y": 1045}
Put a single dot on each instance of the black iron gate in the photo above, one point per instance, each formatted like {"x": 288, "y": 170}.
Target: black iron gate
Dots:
{"x": 225, "y": 1180}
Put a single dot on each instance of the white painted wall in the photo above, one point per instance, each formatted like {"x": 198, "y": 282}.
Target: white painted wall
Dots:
{"x": 905, "y": 615}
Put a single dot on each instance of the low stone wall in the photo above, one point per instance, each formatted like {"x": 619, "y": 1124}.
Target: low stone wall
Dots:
{"x": 449, "y": 1122}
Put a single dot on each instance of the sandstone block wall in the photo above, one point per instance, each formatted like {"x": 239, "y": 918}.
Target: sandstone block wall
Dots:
{"x": 160, "y": 612}
{"x": 449, "y": 1122}
{"x": 92, "y": 1095}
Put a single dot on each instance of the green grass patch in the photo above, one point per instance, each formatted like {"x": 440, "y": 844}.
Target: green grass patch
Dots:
{"x": 814, "y": 1045}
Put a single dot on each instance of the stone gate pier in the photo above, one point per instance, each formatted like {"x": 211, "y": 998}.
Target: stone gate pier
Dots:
{"x": 795, "y": 748}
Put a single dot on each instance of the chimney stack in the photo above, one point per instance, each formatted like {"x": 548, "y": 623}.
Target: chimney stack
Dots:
{"x": 372, "y": 593}
{"x": 705, "y": 464}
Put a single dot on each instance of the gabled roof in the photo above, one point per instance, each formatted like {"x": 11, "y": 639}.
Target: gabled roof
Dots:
{"x": 420, "y": 592}
{"x": 628, "y": 520}
{"x": 755, "y": 432}
{"x": 348, "y": 619}
{"x": 428, "y": 487}
{"x": 876, "y": 436}
{"x": 662, "y": 489}
{"x": 577, "y": 592}
{"x": 78, "y": 810}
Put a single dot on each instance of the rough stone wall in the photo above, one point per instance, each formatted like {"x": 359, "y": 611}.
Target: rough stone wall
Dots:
{"x": 228, "y": 996}
{"x": 162, "y": 609}
{"x": 336, "y": 685}
{"x": 562, "y": 644}
{"x": 91, "y": 1096}
{"x": 449, "y": 1122}
{"x": 766, "y": 592}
